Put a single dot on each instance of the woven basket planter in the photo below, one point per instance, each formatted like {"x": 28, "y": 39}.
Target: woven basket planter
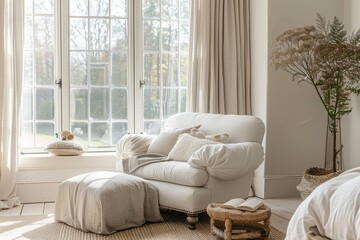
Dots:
{"x": 312, "y": 178}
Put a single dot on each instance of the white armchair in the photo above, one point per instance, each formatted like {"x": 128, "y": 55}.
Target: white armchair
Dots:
{"x": 213, "y": 173}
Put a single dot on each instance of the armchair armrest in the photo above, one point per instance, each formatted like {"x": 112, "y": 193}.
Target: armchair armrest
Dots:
{"x": 133, "y": 144}
{"x": 228, "y": 161}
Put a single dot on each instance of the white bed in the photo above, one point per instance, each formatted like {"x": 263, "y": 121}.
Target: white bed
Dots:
{"x": 332, "y": 210}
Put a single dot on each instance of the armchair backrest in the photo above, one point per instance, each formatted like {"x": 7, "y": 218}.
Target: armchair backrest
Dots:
{"x": 241, "y": 128}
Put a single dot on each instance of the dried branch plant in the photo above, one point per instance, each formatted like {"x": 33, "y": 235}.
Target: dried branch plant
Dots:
{"x": 327, "y": 58}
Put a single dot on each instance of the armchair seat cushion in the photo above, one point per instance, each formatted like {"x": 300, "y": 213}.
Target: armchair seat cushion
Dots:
{"x": 175, "y": 172}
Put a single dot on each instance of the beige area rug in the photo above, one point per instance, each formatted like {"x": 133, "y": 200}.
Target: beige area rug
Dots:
{"x": 43, "y": 227}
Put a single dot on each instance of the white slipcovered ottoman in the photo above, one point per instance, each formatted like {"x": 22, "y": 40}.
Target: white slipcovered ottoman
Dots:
{"x": 105, "y": 202}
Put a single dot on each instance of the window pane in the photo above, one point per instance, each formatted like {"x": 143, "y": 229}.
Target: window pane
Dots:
{"x": 78, "y": 7}
{"x": 119, "y": 71}
{"x": 79, "y": 104}
{"x": 28, "y": 68}
{"x": 27, "y": 134}
{"x": 182, "y": 100}
{"x": 78, "y": 33}
{"x": 151, "y": 35}
{"x": 100, "y": 134}
{"x": 184, "y": 63}
{"x": 44, "y": 133}
{"x": 184, "y": 9}
{"x": 170, "y": 70}
{"x": 44, "y": 68}
{"x": 165, "y": 62}
{"x": 27, "y": 104}
{"x": 119, "y": 129}
{"x": 28, "y": 32}
{"x": 99, "y": 7}
{"x": 184, "y": 35}
{"x": 151, "y": 8}
{"x": 152, "y": 127}
{"x": 170, "y": 9}
{"x": 152, "y": 104}
{"x": 28, "y": 7}
{"x": 119, "y": 34}
{"x": 152, "y": 69}
{"x": 80, "y": 131}
{"x": 99, "y": 68}
{"x": 170, "y": 102}
{"x": 99, "y": 103}
{"x": 119, "y": 8}
{"x": 99, "y": 72}
{"x": 44, "y": 6}
{"x": 38, "y": 110}
{"x": 119, "y": 103}
{"x": 44, "y": 32}
{"x": 99, "y": 34}
{"x": 45, "y": 104}
{"x": 78, "y": 69}
{"x": 170, "y": 35}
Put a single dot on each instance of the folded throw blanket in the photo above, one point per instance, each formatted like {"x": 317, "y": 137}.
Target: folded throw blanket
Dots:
{"x": 132, "y": 163}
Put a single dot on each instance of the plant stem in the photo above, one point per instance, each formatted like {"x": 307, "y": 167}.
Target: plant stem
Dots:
{"x": 334, "y": 150}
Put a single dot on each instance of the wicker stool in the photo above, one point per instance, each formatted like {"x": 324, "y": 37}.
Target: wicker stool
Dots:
{"x": 236, "y": 224}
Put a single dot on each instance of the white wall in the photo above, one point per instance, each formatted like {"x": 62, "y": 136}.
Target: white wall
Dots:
{"x": 350, "y": 124}
{"x": 259, "y": 56}
{"x": 295, "y": 118}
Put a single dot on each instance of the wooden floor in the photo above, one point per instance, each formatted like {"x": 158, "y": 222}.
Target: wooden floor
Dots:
{"x": 282, "y": 209}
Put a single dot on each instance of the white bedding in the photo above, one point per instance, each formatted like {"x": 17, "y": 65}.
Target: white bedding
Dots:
{"x": 333, "y": 208}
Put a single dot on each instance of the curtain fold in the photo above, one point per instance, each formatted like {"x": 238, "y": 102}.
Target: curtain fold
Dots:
{"x": 11, "y": 61}
{"x": 219, "y": 59}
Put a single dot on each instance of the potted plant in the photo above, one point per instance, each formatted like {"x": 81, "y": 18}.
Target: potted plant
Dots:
{"x": 328, "y": 58}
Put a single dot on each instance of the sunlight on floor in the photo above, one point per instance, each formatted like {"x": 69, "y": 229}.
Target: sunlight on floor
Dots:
{"x": 17, "y": 229}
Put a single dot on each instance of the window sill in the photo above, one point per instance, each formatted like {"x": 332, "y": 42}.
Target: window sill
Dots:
{"x": 48, "y": 161}
{"x": 46, "y": 168}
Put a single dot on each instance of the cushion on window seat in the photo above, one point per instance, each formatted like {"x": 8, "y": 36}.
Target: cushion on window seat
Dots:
{"x": 173, "y": 171}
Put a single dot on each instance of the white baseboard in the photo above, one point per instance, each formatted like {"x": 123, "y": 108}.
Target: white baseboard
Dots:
{"x": 276, "y": 186}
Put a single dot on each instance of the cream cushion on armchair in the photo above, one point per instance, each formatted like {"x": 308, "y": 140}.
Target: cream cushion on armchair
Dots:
{"x": 213, "y": 173}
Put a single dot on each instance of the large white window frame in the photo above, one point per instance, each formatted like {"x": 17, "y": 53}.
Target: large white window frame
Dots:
{"x": 135, "y": 106}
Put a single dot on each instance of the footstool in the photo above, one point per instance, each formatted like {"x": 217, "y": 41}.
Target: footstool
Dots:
{"x": 104, "y": 202}
{"x": 237, "y": 224}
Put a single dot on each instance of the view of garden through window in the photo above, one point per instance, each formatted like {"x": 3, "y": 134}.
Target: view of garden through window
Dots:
{"x": 95, "y": 65}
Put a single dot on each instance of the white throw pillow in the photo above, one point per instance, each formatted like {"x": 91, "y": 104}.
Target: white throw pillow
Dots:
{"x": 65, "y": 148}
{"x": 186, "y": 145}
{"x": 166, "y": 140}
{"x": 133, "y": 144}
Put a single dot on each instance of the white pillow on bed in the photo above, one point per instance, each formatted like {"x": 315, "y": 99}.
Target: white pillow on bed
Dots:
{"x": 186, "y": 145}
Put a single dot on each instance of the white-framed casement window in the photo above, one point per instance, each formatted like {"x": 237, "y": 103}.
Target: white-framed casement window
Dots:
{"x": 102, "y": 68}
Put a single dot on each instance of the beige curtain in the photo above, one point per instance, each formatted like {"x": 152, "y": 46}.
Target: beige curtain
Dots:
{"x": 11, "y": 47}
{"x": 219, "y": 71}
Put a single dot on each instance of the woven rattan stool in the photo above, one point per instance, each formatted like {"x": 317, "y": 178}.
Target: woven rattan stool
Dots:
{"x": 236, "y": 224}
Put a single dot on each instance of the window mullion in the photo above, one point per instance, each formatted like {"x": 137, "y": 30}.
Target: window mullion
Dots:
{"x": 64, "y": 117}
{"x": 136, "y": 46}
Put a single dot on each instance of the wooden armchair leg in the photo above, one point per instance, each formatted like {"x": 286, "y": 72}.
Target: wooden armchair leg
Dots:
{"x": 192, "y": 220}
